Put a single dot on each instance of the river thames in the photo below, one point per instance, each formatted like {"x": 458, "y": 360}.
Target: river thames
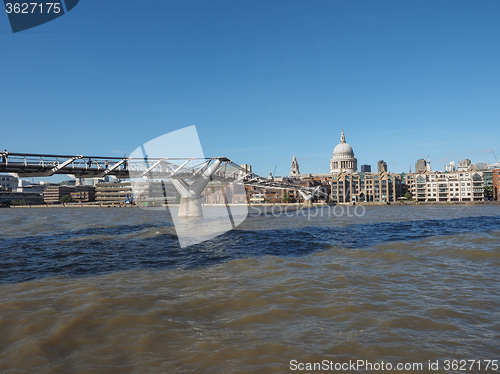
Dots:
{"x": 110, "y": 290}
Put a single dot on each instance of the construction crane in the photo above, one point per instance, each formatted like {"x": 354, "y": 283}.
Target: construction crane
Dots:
{"x": 494, "y": 155}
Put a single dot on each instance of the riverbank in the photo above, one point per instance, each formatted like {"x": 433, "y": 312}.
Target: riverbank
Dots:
{"x": 287, "y": 205}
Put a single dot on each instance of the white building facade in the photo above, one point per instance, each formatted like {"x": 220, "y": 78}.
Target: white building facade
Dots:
{"x": 465, "y": 185}
{"x": 8, "y": 183}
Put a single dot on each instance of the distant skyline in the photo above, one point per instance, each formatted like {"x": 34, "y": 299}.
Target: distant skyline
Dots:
{"x": 261, "y": 80}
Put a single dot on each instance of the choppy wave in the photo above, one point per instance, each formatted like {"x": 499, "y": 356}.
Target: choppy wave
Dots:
{"x": 99, "y": 249}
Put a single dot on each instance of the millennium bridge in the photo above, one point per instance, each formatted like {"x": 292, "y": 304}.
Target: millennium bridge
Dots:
{"x": 189, "y": 176}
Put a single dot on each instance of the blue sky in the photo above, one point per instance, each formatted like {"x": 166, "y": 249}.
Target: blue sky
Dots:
{"x": 260, "y": 79}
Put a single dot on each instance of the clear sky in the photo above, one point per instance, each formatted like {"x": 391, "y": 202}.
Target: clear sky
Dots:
{"x": 261, "y": 79}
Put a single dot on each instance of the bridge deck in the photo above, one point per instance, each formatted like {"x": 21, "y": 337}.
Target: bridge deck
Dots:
{"x": 27, "y": 165}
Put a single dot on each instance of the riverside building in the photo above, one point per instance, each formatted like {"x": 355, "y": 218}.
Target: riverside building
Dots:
{"x": 367, "y": 187}
{"x": 496, "y": 184}
{"x": 113, "y": 193}
{"x": 8, "y": 183}
{"x": 54, "y": 194}
{"x": 465, "y": 184}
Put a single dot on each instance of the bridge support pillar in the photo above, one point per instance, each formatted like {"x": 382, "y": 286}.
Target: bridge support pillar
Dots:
{"x": 190, "y": 207}
{"x": 308, "y": 196}
{"x": 190, "y": 204}
{"x": 308, "y": 202}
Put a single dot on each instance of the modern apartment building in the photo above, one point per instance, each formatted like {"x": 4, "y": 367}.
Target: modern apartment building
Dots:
{"x": 453, "y": 186}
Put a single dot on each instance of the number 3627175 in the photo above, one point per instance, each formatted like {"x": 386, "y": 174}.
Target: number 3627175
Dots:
{"x": 27, "y": 8}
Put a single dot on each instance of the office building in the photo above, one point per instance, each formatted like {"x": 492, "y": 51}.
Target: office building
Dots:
{"x": 381, "y": 166}
{"x": 420, "y": 166}
{"x": 366, "y": 168}
{"x": 113, "y": 192}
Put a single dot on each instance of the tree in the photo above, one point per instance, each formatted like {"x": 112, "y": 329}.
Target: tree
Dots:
{"x": 65, "y": 199}
{"x": 18, "y": 202}
{"x": 488, "y": 192}
{"x": 286, "y": 199}
{"x": 408, "y": 195}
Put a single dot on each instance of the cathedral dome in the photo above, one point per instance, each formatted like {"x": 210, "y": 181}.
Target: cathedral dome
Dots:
{"x": 343, "y": 158}
{"x": 343, "y": 149}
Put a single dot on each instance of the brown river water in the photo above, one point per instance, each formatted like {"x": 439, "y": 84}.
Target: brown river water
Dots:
{"x": 110, "y": 291}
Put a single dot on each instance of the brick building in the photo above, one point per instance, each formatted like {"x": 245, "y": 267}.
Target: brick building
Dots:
{"x": 496, "y": 184}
